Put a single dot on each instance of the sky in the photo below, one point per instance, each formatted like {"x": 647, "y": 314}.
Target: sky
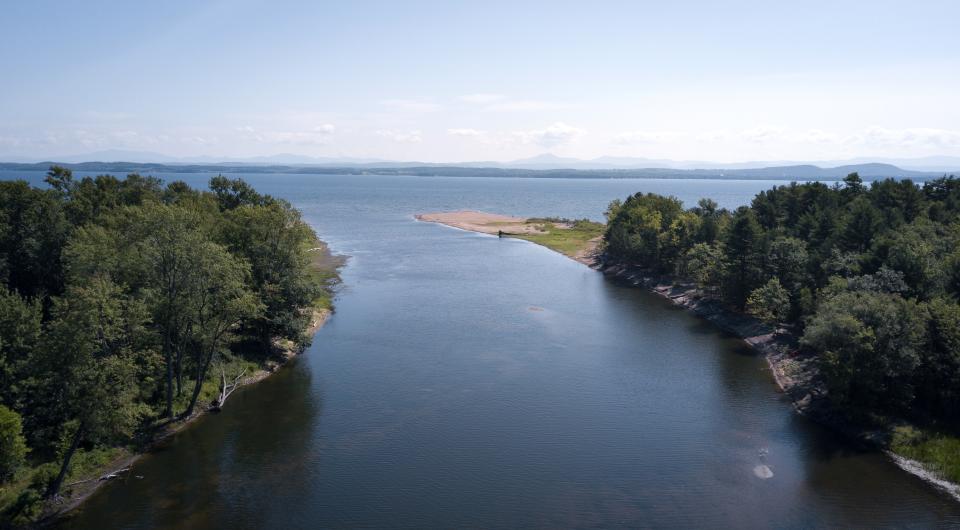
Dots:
{"x": 464, "y": 81}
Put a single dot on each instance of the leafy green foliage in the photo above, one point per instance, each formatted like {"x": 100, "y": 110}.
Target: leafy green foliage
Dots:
{"x": 13, "y": 448}
{"x": 869, "y": 273}
{"x": 870, "y": 346}
{"x": 769, "y": 302}
{"x": 118, "y": 293}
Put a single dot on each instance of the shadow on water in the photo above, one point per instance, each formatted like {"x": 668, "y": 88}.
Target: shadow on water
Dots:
{"x": 259, "y": 440}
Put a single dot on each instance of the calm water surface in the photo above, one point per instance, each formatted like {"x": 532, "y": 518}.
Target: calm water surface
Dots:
{"x": 467, "y": 381}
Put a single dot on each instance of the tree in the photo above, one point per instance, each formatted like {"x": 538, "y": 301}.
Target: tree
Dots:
{"x": 219, "y": 300}
{"x": 650, "y": 230}
{"x": 20, "y": 321}
{"x": 275, "y": 241}
{"x": 35, "y": 230}
{"x": 870, "y": 345}
{"x": 702, "y": 263}
{"x": 951, "y": 274}
{"x": 711, "y": 220}
{"x": 153, "y": 250}
{"x": 742, "y": 257}
{"x": 770, "y": 303}
{"x": 860, "y": 225}
{"x": 938, "y": 378}
{"x": 912, "y": 251}
{"x": 788, "y": 262}
{"x": 89, "y": 366}
{"x": 853, "y": 182}
{"x": 13, "y": 448}
{"x": 235, "y": 193}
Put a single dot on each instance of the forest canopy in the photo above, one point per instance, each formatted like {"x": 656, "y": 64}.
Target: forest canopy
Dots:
{"x": 867, "y": 275}
{"x": 120, "y": 296}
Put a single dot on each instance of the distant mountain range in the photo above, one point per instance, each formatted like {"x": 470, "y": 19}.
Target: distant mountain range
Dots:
{"x": 549, "y": 161}
{"x": 545, "y": 165}
{"x": 871, "y": 171}
{"x": 943, "y": 164}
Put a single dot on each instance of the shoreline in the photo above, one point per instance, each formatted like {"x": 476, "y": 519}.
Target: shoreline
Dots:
{"x": 538, "y": 231}
{"x": 164, "y": 432}
{"x": 324, "y": 262}
{"x": 794, "y": 373}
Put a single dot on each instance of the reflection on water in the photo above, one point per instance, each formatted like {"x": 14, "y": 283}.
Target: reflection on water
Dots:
{"x": 467, "y": 381}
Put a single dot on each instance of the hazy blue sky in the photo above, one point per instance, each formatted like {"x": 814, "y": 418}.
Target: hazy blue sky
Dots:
{"x": 447, "y": 81}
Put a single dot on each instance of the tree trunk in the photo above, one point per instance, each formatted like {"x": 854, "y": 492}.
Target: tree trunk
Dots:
{"x": 168, "y": 358}
{"x": 201, "y": 375}
{"x": 180, "y": 371}
{"x": 54, "y": 487}
{"x": 266, "y": 341}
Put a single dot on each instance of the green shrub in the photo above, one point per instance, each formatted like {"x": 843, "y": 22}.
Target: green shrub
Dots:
{"x": 43, "y": 475}
{"x": 28, "y": 507}
{"x": 13, "y": 448}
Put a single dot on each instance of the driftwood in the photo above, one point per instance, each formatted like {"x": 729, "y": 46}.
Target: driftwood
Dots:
{"x": 108, "y": 476}
{"x": 225, "y": 389}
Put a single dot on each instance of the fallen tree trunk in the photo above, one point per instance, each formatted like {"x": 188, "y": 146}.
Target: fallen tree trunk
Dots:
{"x": 108, "y": 476}
{"x": 225, "y": 389}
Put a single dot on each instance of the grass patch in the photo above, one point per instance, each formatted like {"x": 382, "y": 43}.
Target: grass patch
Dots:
{"x": 568, "y": 241}
{"x": 939, "y": 452}
{"x": 210, "y": 389}
{"x": 20, "y": 498}
{"x": 324, "y": 273}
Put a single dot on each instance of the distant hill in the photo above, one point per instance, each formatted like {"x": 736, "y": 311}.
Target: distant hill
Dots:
{"x": 868, "y": 171}
{"x": 545, "y": 161}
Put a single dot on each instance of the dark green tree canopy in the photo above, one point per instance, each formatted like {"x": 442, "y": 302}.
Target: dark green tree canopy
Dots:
{"x": 870, "y": 274}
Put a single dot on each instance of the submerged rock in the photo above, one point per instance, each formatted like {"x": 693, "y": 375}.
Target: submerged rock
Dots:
{"x": 763, "y": 471}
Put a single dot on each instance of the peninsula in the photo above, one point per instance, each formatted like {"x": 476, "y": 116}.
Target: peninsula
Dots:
{"x": 577, "y": 239}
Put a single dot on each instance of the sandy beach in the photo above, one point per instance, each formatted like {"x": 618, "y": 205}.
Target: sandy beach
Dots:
{"x": 483, "y": 222}
{"x": 560, "y": 236}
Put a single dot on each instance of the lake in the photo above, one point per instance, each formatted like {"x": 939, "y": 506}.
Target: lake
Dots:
{"x": 469, "y": 381}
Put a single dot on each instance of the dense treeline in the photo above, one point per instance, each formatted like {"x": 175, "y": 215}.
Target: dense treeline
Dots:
{"x": 120, "y": 297}
{"x": 869, "y": 276}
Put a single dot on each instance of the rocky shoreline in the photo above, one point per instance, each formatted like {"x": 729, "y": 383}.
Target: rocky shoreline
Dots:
{"x": 795, "y": 372}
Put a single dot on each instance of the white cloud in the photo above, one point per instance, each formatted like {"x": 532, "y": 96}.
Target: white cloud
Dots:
{"x": 467, "y": 133}
{"x": 482, "y": 98}
{"x": 411, "y": 105}
{"x": 502, "y": 103}
{"x": 11, "y": 141}
{"x": 318, "y": 135}
{"x": 717, "y": 135}
{"x": 413, "y": 137}
{"x": 201, "y": 140}
{"x": 294, "y": 137}
{"x": 525, "y": 105}
{"x": 557, "y": 134}
{"x": 644, "y": 137}
{"x": 817, "y": 136}
{"x": 86, "y": 138}
{"x": 908, "y": 138}
{"x": 761, "y": 134}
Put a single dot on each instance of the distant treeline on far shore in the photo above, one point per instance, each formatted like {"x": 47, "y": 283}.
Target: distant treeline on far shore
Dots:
{"x": 788, "y": 173}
